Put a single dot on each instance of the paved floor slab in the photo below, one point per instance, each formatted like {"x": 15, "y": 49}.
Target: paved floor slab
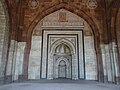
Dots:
{"x": 60, "y": 85}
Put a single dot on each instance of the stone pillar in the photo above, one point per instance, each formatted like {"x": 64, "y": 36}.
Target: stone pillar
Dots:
{"x": 35, "y": 58}
{"x": 44, "y": 57}
{"x": 19, "y": 61}
{"x": 90, "y": 58}
{"x": 15, "y": 61}
{"x": 3, "y": 41}
{"x": 3, "y": 54}
{"x": 116, "y": 63}
{"x": 81, "y": 56}
{"x": 50, "y": 67}
{"x": 74, "y": 67}
{"x": 103, "y": 52}
{"x": 110, "y": 63}
{"x": 9, "y": 70}
{"x": 14, "y": 45}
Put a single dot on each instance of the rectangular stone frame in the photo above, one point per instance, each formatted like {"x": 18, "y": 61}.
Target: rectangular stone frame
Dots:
{"x": 81, "y": 57}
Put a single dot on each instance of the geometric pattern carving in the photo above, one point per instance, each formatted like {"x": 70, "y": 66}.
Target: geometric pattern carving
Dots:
{"x": 33, "y": 4}
{"x": 92, "y": 4}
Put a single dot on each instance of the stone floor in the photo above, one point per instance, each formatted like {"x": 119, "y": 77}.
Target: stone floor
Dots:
{"x": 59, "y": 85}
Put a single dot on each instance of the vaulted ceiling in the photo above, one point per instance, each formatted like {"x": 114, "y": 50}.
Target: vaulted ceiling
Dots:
{"x": 24, "y": 16}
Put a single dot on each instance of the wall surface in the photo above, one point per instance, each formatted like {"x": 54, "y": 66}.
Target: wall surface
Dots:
{"x": 67, "y": 24}
{"x": 3, "y": 39}
{"x": 26, "y": 54}
{"x": 35, "y": 58}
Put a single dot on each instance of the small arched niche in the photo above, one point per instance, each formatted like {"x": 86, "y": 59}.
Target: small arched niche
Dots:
{"x": 62, "y": 49}
{"x": 62, "y": 69}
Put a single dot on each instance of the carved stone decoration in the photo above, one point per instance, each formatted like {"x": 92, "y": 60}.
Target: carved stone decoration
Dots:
{"x": 62, "y": 17}
{"x": 92, "y": 4}
{"x": 33, "y": 4}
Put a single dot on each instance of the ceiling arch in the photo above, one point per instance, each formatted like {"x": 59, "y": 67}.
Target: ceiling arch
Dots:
{"x": 68, "y": 7}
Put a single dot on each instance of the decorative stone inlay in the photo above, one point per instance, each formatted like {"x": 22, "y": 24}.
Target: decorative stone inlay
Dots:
{"x": 46, "y": 24}
{"x": 92, "y": 4}
{"x": 62, "y": 17}
{"x": 33, "y": 4}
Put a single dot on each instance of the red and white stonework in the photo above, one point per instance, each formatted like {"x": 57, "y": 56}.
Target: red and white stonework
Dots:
{"x": 52, "y": 39}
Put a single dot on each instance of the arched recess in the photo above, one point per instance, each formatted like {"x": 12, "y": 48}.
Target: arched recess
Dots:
{"x": 62, "y": 69}
{"x": 64, "y": 41}
{"x": 56, "y": 57}
{"x": 4, "y": 35}
{"x": 76, "y": 11}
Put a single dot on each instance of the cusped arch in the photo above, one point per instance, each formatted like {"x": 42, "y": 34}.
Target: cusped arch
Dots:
{"x": 62, "y": 59}
{"x": 62, "y": 63}
{"x": 62, "y": 48}
{"x": 64, "y": 41}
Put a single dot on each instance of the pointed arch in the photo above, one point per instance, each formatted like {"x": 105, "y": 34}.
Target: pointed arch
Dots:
{"x": 68, "y": 7}
{"x": 62, "y": 59}
{"x": 74, "y": 10}
{"x": 64, "y": 41}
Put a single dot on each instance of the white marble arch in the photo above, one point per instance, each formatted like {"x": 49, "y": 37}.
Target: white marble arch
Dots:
{"x": 64, "y": 59}
{"x": 51, "y": 57}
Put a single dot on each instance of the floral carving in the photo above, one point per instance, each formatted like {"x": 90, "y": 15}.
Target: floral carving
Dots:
{"x": 92, "y": 4}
